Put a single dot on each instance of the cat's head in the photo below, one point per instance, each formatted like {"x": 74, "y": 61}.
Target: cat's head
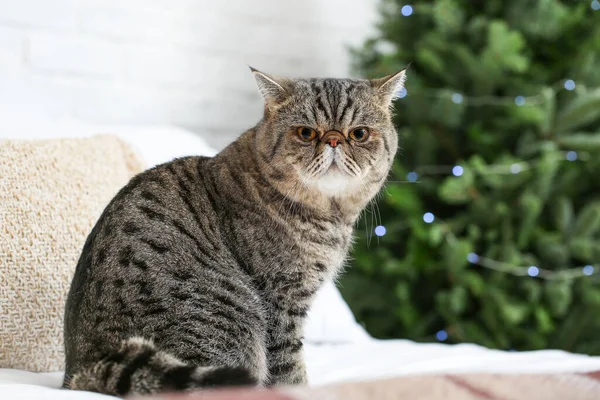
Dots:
{"x": 331, "y": 136}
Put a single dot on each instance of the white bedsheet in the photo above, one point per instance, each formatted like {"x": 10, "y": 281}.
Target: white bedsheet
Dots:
{"x": 350, "y": 362}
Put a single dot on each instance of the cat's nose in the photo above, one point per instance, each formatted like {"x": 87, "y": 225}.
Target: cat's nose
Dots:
{"x": 333, "y": 138}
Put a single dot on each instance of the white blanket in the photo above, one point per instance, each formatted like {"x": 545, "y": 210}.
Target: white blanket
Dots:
{"x": 353, "y": 362}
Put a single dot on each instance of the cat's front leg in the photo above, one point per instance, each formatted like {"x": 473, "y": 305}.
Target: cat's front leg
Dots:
{"x": 285, "y": 354}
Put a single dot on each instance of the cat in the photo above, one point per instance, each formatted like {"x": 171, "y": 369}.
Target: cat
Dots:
{"x": 200, "y": 272}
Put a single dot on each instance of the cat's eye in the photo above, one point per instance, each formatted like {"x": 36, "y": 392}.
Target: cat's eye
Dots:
{"x": 360, "y": 134}
{"x": 307, "y": 134}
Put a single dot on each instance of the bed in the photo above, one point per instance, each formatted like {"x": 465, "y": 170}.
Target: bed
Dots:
{"x": 337, "y": 348}
{"x": 331, "y": 363}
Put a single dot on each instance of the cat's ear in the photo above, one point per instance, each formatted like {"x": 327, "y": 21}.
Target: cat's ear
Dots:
{"x": 389, "y": 87}
{"x": 272, "y": 88}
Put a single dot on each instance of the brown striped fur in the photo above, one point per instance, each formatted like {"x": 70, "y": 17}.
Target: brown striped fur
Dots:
{"x": 201, "y": 271}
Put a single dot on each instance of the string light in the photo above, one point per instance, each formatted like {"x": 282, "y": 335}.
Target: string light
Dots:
{"x": 428, "y": 217}
{"x": 533, "y": 271}
{"x": 477, "y": 101}
{"x": 595, "y": 5}
{"x": 380, "y": 230}
{"x": 515, "y": 168}
{"x": 570, "y": 84}
{"x": 457, "y": 170}
{"x": 457, "y": 98}
{"x": 588, "y": 270}
{"x": 412, "y": 176}
{"x": 406, "y": 10}
{"x": 491, "y": 169}
{"x": 520, "y": 100}
{"x": 403, "y": 92}
{"x": 474, "y": 258}
{"x": 442, "y": 335}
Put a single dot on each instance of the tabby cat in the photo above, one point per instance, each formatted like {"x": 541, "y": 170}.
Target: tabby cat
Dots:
{"x": 201, "y": 271}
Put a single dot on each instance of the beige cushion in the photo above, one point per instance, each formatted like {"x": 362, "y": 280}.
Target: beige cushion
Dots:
{"x": 51, "y": 194}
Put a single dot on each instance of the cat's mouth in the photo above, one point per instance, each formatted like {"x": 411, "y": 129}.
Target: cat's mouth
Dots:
{"x": 334, "y": 181}
{"x": 334, "y": 168}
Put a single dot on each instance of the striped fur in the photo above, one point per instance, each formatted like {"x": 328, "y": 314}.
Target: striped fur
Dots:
{"x": 201, "y": 271}
{"x": 139, "y": 367}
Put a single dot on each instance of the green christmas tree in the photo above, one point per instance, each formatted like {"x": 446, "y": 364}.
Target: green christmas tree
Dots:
{"x": 489, "y": 229}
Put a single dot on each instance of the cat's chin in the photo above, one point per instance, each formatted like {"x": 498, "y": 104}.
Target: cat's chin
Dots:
{"x": 335, "y": 183}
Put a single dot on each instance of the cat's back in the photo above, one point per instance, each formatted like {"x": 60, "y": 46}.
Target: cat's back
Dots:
{"x": 161, "y": 213}
{"x": 168, "y": 200}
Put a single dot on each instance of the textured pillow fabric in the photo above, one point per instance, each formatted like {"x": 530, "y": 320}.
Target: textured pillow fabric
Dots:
{"x": 51, "y": 194}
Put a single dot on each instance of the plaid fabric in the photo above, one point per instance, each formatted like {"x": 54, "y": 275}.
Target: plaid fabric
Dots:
{"x": 466, "y": 387}
{"x": 585, "y": 386}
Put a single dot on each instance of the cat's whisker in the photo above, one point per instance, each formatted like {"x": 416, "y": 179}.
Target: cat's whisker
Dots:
{"x": 351, "y": 167}
{"x": 364, "y": 189}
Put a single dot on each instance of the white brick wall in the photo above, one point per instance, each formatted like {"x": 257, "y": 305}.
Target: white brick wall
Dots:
{"x": 181, "y": 62}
